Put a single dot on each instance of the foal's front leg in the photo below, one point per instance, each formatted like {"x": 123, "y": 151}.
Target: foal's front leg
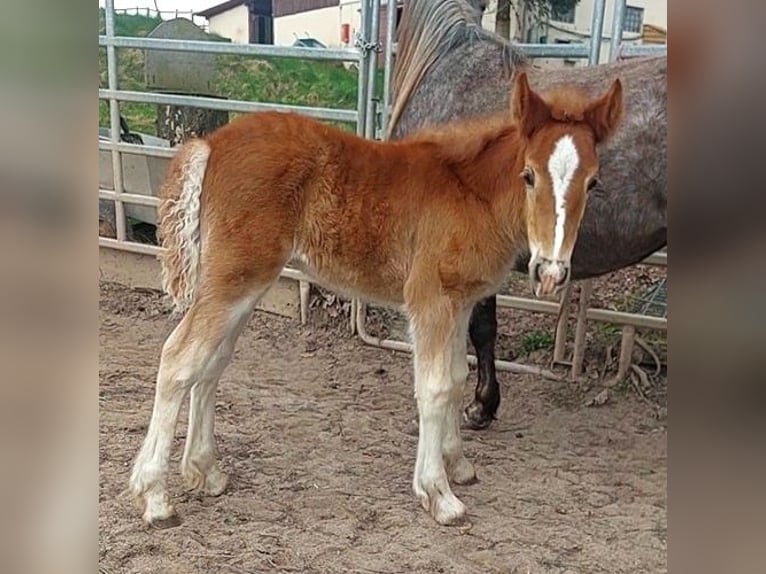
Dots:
{"x": 435, "y": 391}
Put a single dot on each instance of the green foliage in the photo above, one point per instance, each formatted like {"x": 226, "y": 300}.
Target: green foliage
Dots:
{"x": 606, "y": 333}
{"x": 129, "y": 25}
{"x": 536, "y": 340}
{"x": 543, "y": 9}
{"x": 288, "y": 81}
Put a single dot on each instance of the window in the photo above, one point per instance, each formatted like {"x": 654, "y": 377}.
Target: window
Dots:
{"x": 634, "y": 19}
{"x": 567, "y": 15}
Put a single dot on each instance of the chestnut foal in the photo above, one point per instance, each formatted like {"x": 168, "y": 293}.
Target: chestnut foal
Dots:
{"x": 431, "y": 223}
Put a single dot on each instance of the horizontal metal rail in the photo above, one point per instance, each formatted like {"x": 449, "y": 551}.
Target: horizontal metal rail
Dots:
{"x": 659, "y": 258}
{"x": 579, "y": 50}
{"x": 209, "y": 47}
{"x": 602, "y": 315}
{"x": 555, "y": 50}
{"x": 142, "y": 248}
{"x": 582, "y": 51}
{"x": 226, "y": 105}
{"x": 402, "y": 346}
{"x": 138, "y": 149}
{"x": 642, "y": 50}
{"x": 134, "y": 198}
{"x": 146, "y": 249}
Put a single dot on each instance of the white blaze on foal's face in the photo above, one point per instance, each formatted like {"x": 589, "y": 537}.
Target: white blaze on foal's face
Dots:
{"x": 558, "y": 173}
{"x": 561, "y": 167}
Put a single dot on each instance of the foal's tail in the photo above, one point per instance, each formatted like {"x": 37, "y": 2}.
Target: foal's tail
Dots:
{"x": 179, "y": 222}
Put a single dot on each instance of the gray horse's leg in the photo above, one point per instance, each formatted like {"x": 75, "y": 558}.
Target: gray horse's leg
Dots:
{"x": 483, "y": 332}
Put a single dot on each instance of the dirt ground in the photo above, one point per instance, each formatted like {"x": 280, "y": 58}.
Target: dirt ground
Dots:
{"x": 315, "y": 430}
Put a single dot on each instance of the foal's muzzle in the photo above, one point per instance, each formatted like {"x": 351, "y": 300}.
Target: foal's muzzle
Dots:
{"x": 548, "y": 277}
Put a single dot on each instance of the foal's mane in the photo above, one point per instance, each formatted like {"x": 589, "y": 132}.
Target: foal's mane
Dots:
{"x": 429, "y": 29}
{"x": 463, "y": 141}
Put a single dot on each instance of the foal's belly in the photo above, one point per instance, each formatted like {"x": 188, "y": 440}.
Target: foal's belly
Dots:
{"x": 379, "y": 283}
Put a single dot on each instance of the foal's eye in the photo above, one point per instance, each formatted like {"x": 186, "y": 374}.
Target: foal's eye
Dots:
{"x": 593, "y": 183}
{"x": 529, "y": 177}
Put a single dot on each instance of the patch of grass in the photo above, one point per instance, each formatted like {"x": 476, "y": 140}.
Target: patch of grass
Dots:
{"x": 535, "y": 341}
{"x": 606, "y": 332}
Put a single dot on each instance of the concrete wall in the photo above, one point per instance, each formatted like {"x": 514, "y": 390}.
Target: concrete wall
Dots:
{"x": 322, "y": 24}
{"x": 350, "y": 14}
{"x": 233, "y": 24}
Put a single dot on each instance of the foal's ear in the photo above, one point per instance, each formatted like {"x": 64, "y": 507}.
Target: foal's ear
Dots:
{"x": 605, "y": 113}
{"x": 528, "y": 110}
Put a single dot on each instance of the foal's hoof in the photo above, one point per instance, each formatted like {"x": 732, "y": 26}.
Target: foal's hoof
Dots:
{"x": 463, "y": 472}
{"x": 165, "y": 523}
{"x": 216, "y": 482}
{"x": 475, "y": 418}
{"x": 213, "y": 482}
{"x": 448, "y": 510}
{"x": 160, "y": 513}
{"x": 442, "y": 505}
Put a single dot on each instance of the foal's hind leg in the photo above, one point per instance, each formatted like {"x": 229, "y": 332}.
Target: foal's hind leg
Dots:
{"x": 483, "y": 330}
{"x": 194, "y": 352}
{"x": 199, "y": 466}
{"x": 459, "y": 469}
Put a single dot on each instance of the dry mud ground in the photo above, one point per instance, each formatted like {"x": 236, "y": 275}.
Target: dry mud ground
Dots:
{"x": 315, "y": 429}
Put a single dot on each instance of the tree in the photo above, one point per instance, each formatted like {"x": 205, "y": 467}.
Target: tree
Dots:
{"x": 526, "y": 12}
{"x": 503, "y": 19}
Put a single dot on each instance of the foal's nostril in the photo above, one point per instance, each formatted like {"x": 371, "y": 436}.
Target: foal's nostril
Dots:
{"x": 564, "y": 277}
{"x": 538, "y": 277}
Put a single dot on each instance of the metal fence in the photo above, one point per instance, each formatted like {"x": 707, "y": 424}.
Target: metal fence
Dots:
{"x": 363, "y": 54}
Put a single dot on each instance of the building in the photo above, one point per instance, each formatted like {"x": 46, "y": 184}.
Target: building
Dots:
{"x": 646, "y": 22}
{"x": 242, "y": 21}
{"x": 317, "y": 19}
{"x": 281, "y": 22}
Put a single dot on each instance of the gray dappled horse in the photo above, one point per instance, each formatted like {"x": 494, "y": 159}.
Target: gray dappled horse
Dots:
{"x": 449, "y": 67}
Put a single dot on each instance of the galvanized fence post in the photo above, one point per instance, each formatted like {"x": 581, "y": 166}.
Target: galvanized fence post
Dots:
{"x": 618, "y": 22}
{"x": 596, "y": 32}
{"x": 114, "y": 123}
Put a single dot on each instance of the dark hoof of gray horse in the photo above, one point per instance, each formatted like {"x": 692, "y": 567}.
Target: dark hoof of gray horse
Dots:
{"x": 475, "y": 418}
